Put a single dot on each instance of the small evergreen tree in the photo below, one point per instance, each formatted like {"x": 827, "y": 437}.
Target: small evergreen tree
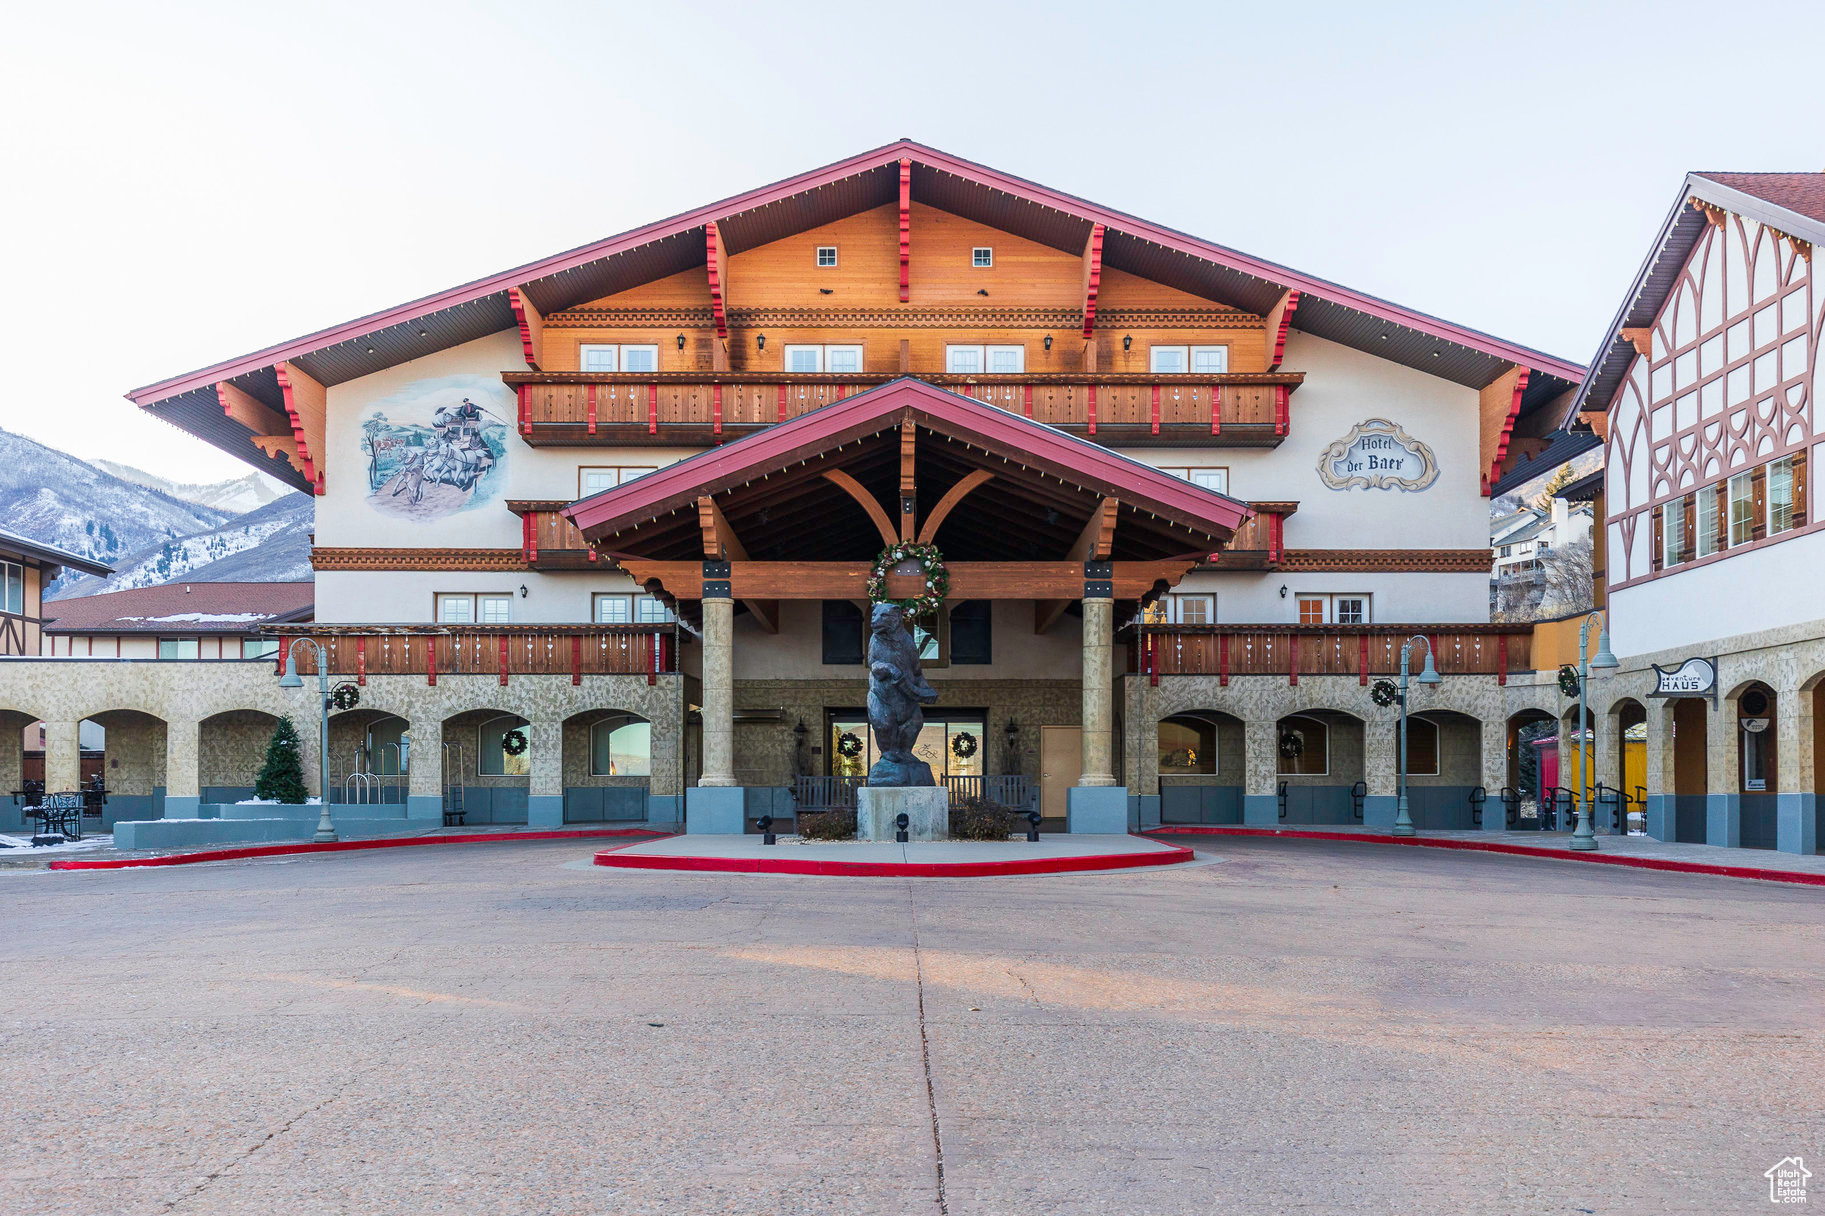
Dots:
{"x": 282, "y": 776}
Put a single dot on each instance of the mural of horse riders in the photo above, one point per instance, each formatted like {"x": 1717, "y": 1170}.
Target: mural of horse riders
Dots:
{"x": 453, "y": 459}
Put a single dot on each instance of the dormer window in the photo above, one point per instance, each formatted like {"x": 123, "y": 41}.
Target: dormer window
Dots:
{"x": 982, "y": 256}
{"x": 826, "y": 255}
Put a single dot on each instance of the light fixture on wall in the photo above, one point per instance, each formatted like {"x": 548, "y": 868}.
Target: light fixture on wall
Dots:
{"x": 680, "y": 341}
{"x": 522, "y": 590}
{"x": 1127, "y": 341}
{"x": 760, "y": 341}
{"x": 1048, "y": 341}
{"x": 1282, "y": 590}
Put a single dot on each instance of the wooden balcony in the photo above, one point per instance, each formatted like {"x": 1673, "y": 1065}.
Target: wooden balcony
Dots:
{"x": 551, "y": 542}
{"x": 1260, "y": 543}
{"x": 359, "y": 651}
{"x": 666, "y": 409}
{"x": 1367, "y": 652}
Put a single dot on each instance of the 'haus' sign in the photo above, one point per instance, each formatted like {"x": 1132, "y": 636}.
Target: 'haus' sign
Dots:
{"x": 1378, "y": 455}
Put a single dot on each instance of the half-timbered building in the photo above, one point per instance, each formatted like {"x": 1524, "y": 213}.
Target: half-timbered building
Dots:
{"x": 1706, "y": 393}
{"x": 598, "y": 534}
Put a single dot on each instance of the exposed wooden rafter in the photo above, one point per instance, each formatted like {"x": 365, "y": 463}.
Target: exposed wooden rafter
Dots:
{"x": 532, "y": 327}
{"x": 956, "y": 494}
{"x": 719, "y": 274}
{"x": 306, "y": 405}
{"x": 1499, "y": 405}
{"x": 1093, "y": 544}
{"x": 1093, "y": 276}
{"x": 853, "y": 488}
{"x": 272, "y": 430}
{"x": 1279, "y": 320}
{"x": 909, "y": 486}
{"x": 721, "y": 544}
{"x": 810, "y": 580}
{"x": 905, "y": 229}
{"x": 1641, "y": 337}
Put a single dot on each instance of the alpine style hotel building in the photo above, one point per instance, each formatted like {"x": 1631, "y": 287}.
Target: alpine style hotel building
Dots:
{"x": 595, "y": 536}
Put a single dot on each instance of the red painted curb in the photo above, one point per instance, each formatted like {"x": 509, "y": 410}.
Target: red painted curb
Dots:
{"x": 342, "y": 846}
{"x": 1514, "y": 850}
{"x": 897, "y": 869}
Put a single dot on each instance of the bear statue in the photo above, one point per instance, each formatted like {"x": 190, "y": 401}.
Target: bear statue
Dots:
{"x": 896, "y": 691}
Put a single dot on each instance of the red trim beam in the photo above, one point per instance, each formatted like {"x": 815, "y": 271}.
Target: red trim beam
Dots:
{"x": 1279, "y": 320}
{"x": 718, "y": 271}
{"x": 1093, "y": 276}
{"x": 532, "y": 327}
{"x": 905, "y": 230}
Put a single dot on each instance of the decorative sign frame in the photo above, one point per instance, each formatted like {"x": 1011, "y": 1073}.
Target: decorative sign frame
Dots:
{"x": 1695, "y": 677}
{"x": 1378, "y": 454}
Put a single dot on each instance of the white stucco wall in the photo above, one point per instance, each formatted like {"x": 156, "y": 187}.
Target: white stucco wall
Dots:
{"x": 797, "y": 651}
{"x": 1749, "y": 592}
{"x": 1421, "y": 598}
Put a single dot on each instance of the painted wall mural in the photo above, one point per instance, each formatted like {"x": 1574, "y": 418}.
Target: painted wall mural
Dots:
{"x": 1378, "y": 455}
{"x": 438, "y": 446}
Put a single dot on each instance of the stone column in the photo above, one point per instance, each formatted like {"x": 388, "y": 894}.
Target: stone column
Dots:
{"x": 1495, "y": 773}
{"x": 62, "y": 757}
{"x": 1661, "y": 809}
{"x": 182, "y": 789}
{"x": 545, "y": 789}
{"x": 1723, "y": 770}
{"x": 717, "y": 805}
{"x": 1260, "y": 792}
{"x": 1381, "y": 769}
{"x": 425, "y": 773}
{"x": 1099, "y": 707}
{"x": 1796, "y": 825}
{"x": 1096, "y": 804}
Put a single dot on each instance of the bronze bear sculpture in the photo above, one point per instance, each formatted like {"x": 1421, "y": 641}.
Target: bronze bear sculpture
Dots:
{"x": 896, "y": 690}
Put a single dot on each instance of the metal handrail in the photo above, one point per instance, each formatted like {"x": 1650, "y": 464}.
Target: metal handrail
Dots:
{"x": 1358, "y": 793}
{"x": 1478, "y": 796}
{"x": 1511, "y": 804}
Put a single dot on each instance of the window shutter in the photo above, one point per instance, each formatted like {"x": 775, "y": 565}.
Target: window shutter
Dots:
{"x": 1720, "y": 496}
{"x": 1689, "y": 504}
{"x": 1659, "y": 556}
{"x": 1759, "y": 480}
{"x": 1799, "y": 489}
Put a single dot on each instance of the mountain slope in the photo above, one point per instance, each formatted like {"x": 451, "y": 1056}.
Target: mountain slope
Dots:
{"x": 269, "y": 544}
{"x": 236, "y": 496}
{"x": 57, "y": 499}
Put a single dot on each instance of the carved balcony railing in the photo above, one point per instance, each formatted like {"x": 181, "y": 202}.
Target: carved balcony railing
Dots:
{"x": 1367, "y": 652}
{"x": 581, "y": 408}
{"x": 1260, "y": 543}
{"x": 360, "y": 651}
{"x": 549, "y": 541}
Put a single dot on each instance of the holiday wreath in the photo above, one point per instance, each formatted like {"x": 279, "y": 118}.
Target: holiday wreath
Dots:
{"x": 1568, "y": 680}
{"x": 931, "y": 568}
{"x": 963, "y": 745}
{"x": 345, "y": 696}
{"x": 849, "y": 744}
{"x": 1292, "y": 745}
{"x": 1384, "y": 693}
{"x": 514, "y": 742}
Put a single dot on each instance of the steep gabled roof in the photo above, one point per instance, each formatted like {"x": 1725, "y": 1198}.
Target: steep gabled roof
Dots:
{"x": 1792, "y": 203}
{"x": 757, "y": 217}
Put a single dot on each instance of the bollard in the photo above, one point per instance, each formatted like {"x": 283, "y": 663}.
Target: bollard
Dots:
{"x": 1033, "y": 827}
{"x": 765, "y": 824}
{"x": 900, "y": 821}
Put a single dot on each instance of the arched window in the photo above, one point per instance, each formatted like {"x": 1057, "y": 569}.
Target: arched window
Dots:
{"x": 1302, "y": 748}
{"x": 492, "y": 759}
{"x": 621, "y": 746}
{"x": 1188, "y": 746}
{"x": 1422, "y": 747}
{"x": 388, "y": 747}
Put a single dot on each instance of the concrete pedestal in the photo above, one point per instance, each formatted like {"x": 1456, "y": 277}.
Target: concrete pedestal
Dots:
{"x": 715, "y": 809}
{"x": 927, "y": 809}
{"x": 1099, "y": 809}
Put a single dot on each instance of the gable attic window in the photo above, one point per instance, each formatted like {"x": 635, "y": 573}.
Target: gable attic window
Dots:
{"x": 826, "y": 255}
{"x": 982, "y": 256}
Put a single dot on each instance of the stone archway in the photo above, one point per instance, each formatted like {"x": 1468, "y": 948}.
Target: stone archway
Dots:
{"x": 1319, "y": 766}
{"x": 608, "y": 766}
{"x": 1202, "y": 767}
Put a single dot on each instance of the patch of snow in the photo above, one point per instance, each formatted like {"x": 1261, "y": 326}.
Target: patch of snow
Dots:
{"x": 202, "y": 617}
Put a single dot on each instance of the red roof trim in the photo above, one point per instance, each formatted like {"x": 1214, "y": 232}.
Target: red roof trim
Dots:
{"x": 1097, "y": 468}
{"x": 888, "y": 155}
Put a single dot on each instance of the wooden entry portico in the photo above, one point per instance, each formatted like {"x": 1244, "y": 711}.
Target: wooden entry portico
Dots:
{"x": 1019, "y": 510}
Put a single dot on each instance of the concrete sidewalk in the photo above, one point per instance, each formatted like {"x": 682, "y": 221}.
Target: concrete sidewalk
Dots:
{"x": 1643, "y": 849}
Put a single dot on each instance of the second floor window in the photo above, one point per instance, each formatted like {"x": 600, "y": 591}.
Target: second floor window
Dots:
{"x": 629, "y": 610}
{"x": 1210, "y": 477}
{"x": 466, "y": 608}
{"x": 1334, "y": 610}
{"x": 603, "y": 357}
{"x": 177, "y": 648}
{"x": 969, "y": 360}
{"x": 1180, "y": 608}
{"x": 14, "y": 591}
{"x": 1177, "y": 360}
{"x": 982, "y": 256}
{"x": 1742, "y": 508}
{"x": 837, "y": 360}
{"x": 1710, "y": 533}
{"x": 826, "y": 255}
{"x": 595, "y": 479}
{"x": 1780, "y": 495}
{"x": 259, "y": 648}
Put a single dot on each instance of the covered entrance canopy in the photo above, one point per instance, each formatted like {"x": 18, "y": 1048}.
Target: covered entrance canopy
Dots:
{"x": 1017, "y": 508}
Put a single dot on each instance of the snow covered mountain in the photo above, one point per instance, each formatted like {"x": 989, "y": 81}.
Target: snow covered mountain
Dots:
{"x": 270, "y": 544}
{"x": 57, "y": 499}
{"x": 237, "y": 496}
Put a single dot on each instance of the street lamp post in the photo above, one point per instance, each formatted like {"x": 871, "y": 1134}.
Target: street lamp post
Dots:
{"x": 1403, "y": 820}
{"x": 1584, "y": 838}
{"x": 326, "y": 831}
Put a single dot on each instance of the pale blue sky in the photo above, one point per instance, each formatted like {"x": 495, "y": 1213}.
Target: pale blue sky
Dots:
{"x": 192, "y": 181}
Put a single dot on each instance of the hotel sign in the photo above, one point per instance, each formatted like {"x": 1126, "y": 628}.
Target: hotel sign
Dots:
{"x": 1378, "y": 455}
{"x": 1692, "y": 678}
